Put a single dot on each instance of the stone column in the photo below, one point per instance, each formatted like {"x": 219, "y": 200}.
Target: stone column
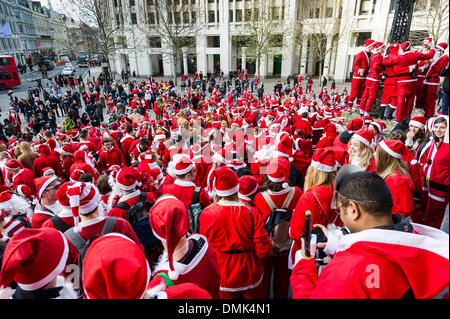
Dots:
{"x": 304, "y": 58}
{"x": 244, "y": 49}
{"x": 185, "y": 61}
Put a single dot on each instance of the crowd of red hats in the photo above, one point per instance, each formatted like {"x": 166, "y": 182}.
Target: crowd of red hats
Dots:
{"x": 236, "y": 156}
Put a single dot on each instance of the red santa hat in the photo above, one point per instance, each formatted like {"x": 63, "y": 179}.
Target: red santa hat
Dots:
{"x": 111, "y": 275}
{"x": 183, "y": 166}
{"x": 395, "y": 148}
{"x": 66, "y": 150}
{"x": 428, "y": 40}
{"x": 284, "y": 146}
{"x": 367, "y": 119}
{"x": 128, "y": 178}
{"x": 169, "y": 220}
{"x": 418, "y": 121}
{"x": 248, "y": 185}
{"x": 25, "y": 191}
{"x": 381, "y": 126}
{"x": 368, "y": 43}
{"x": 225, "y": 181}
{"x": 76, "y": 174}
{"x": 83, "y": 198}
{"x": 62, "y": 197}
{"x": 34, "y": 257}
{"x": 185, "y": 290}
{"x": 365, "y": 137}
{"x": 278, "y": 170}
{"x": 354, "y": 125}
{"x": 13, "y": 164}
{"x": 48, "y": 171}
{"x": 379, "y": 45}
{"x": 324, "y": 160}
{"x": 405, "y": 46}
{"x": 443, "y": 46}
{"x": 42, "y": 183}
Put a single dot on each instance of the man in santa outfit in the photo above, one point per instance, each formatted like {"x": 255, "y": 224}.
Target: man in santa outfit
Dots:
{"x": 126, "y": 142}
{"x": 422, "y": 69}
{"x": 432, "y": 79}
{"x": 360, "y": 70}
{"x": 109, "y": 155}
{"x": 389, "y": 96}
{"x": 19, "y": 174}
{"x": 185, "y": 259}
{"x": 15, "y": 120}
{"x": 36, "y": 275}
{"x": 380, "y": 257}
{"x": 48, "y": 205}
{"x": 183, "y": 187}
{"x": 126, "y": 190}
{"x": 46, "y": 160}
{"x": 373, "y": 79}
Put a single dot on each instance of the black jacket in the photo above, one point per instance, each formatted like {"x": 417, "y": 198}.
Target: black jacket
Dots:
{"x": 444, "y": 73}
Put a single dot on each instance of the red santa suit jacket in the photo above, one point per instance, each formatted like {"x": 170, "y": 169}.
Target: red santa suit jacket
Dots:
{"x": 278, "y": 198}
{"x": 107, "y": 159}
{"x": 65, "y": 215}
{"x": 237, "y": 234}
{"x": 131, "y": 199}
{"x": 24, "y": 177}
{"x": 199, "y": 266}
{"x": 94, "y": 227}
{"x": 402, "y": 189}
{"x": 379, "y": 264}
{"x": 126, "y": 142}
{"x": 184, "y": 190}
{"x": 361, "y": 63}
{"x": 432, "y": 76}
{"x": 40, "y": 216}
{"x": 44, "y": 161}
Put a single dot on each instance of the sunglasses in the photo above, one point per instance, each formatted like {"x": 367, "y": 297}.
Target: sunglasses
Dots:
{"x": 57, "y": 186}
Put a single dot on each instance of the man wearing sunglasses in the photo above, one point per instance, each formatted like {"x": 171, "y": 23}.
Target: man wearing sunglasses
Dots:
{"x": 48, "y": 206}
{"x": 384, "y": 256}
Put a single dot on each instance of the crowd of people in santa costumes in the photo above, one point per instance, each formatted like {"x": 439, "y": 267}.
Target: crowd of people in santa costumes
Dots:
{"x": 208, "y": 200}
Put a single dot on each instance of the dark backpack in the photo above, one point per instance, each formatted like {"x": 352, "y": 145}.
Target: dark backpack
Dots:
{"x": 82, "y": 245}
{"x": 137, "y": 216}
{"x": 195, "y": 209}
{"x": 59, "y": 224}
{"x": 277, "y": 225}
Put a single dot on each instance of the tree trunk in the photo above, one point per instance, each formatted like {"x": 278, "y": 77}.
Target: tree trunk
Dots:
{"x": 174, "y": 65}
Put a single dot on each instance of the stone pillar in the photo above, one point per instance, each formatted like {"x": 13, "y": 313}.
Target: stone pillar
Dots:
{"x": 327, "y": 62}
{"x": 185, "y": 61}
{"x": 304, "y": 59}
{"x": 244, "y": 49}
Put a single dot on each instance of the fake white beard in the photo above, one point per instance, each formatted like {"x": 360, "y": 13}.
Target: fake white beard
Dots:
{"x": 115, "y": 194}
{"x": 55, "y": 208}
{"x": 17, "y": 206}
{"x": 436, "y": 56}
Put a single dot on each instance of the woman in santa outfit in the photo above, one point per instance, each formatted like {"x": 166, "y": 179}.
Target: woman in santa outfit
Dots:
{"x": 394, "y": 171}
{"x": 248, "y": 188}
{"x": 184, "y": 259}
{"x": 317, "y": 197}
{"x": 236, "y": 233}
{"x": 415, "y": 136}
{"x": 377, "y": 128}
{"x": 360, "y": 150}
{"x": 278, "y": 195}
{"x": 436, "y": 171}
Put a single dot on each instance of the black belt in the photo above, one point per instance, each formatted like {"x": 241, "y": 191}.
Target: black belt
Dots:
{"x": 396, "y": 76}
{"x": 434, "y": 77}
{"x": 438, "y": 187}
{"x": 235, "y": 252}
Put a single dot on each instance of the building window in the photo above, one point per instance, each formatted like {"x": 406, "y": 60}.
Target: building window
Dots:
{"x": 149, "y": 2}
{"x": 151, "y": 17}
{"x": 185, "y": 17}
{"x": 133, "y": 18}
{"x": 416, "y": 37}
{"x": 193, "y": 17}
{"x": 213, "y": 41}
{"x": 361, "y": 37}
{"x": 211, "y": 16}
{"x": 364, "y": 8}
{"x": 238, "y": 15}
{"x": 230, "y": 16}
{"x": 177, "y": 17}
{"x": 132, "y": 3}
{"x": 169, "y": 18}
{"x": 248, "y": 14}
{"x": 155, "y": 42}
{"x": 329, "y": 12}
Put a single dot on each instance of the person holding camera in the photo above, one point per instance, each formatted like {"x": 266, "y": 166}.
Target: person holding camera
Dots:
{"x": 384, "y": 256}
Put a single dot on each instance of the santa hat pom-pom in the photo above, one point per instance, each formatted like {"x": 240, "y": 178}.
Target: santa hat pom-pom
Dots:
{"x": 173, "y": 275}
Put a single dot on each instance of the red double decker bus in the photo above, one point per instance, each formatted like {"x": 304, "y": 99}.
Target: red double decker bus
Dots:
{"x": 9, "y": 75}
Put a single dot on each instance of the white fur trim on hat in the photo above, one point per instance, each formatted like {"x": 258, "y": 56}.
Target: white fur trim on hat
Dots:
{"x": 323, "y": 167}
{"x": 127, "y": 188}
{"x": 45, "y": 185}
{"x": 184, "y": 171}
{"x": 389, "y": 151}
{"x": 275, "y": 180}
{"x": 227, "y": 192}
{"x": 417, "y": 124}
{"x": 362, "y": 140}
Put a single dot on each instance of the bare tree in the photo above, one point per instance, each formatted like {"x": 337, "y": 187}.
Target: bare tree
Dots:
{"x": 98, "y": 14}
{"x": 322, "y": 30}
{"x": 431, "y": 16}
{"x": 174, "y": 23}
{"x": 264, "y": 31}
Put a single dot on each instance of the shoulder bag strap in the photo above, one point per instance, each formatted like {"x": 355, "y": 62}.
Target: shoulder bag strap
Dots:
{"x": 109, "y": 225}
{"x": 323, "y": 210}
{"x": 75, "y": 239}
{"x": 196, "y": 195}
{"x": 59, "y": 224}
{"x": 269, "y": 200}
{"x": 289, "y": 198}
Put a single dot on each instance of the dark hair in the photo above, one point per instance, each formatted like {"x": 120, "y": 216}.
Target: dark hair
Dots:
{"x": 107, "y": 140}
{"x": 84, "y": 133}
{"x": 129, "y": 128}
{"x": 243, "y": 171}
{"x": 86, "y": 178}
{"x": 437, "y": 121}
{"x": 103, "y": 185}
{"x": 368, "y": 190}
{"x": 144, "y": 141}
{"x": 398, "y": 135}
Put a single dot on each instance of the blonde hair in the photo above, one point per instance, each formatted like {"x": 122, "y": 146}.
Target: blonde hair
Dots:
{"x": 315, "y": 177}
{"x": 386, "y": 164}
{"x": 25, "y": 147}
{"x": 365, "y": 153}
